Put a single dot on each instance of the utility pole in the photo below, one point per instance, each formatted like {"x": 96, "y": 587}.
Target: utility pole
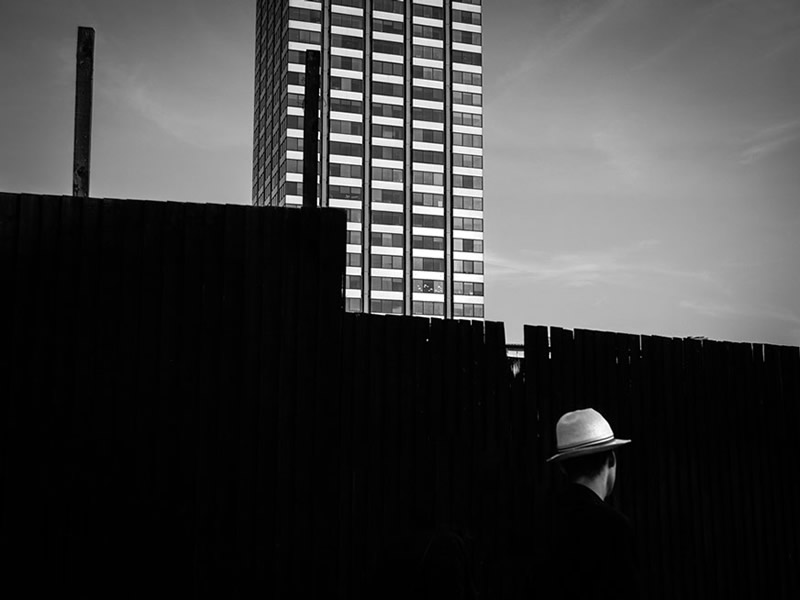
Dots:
{"x": 84, "y": 79}
{"x": 311, "y": 129}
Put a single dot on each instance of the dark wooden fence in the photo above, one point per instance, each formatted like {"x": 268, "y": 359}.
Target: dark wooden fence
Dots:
{"x": 187, "y": 408}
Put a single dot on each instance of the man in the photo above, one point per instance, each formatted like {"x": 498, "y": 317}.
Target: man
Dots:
{"x": 592, "y": 549}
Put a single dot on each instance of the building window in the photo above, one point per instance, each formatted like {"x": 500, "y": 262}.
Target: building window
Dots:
{"x": 466, "y": 245}
{"x": 430, "y": 221}
{"x": 428, "y": 73}
{"x": 429, "y": 53}
{"x": 428, "y": 264}
{"x": 353, "y": 282}
{"x": 387, "y": 110}
{"x": 467, "y": 37}
{"x": 343, "y": 20}
{"x": 353, "y": 305}
{"x": 468, "y": 202}
{"x": 386, "y": 284}
{"x": 467, "y": 288}
{"x": 387, "y": 47}
{"x": 470, "y": 182}
{"x": 427, "y": 242}
{"x": 345, "y": 192}
{"x": 391, "y": 132}
{"x": 427, "y": 178}
{"x": 473, "y": 161}
{"x": 353, "y": 3}
{"x": 387, "y": 89}
{"x": 467, "y": 98}
{"x": 468, "y": 140}
{"x": 387, "y": 26}
{"x": 467, "y": 78}
{"x": 429, "y": 309}
{"x": 468, "y": 266}
{"x": 341, "y": 148}
{"x": 346, "y": 127}
{"x": 428, "y": 156}
{"x": 387, "y": 68}
{"x": 386, "y": 174}
{"x": 387, "y": 240}
{"x": 426, "y": 31}
{"x": 466, "y": 16}
{"x": 347, "y": 41}
{"x": 389, "y": 307}
{"x": 303, "y": 36}
{"x": 346, "y": 84}
{"x": 429, "y": 12}
{"x": 432, "y": 115}
{"x": 429, "y": 286}
{"x": 382, "y": 217}
{"x": 353, "y": 259}
{"x": 347, "y": 106}
{"x": 304, "y": 14}
{"x": 465, "y": 224}
{"x": 353, "y": 237}
{"x": 388, "y": 196}
{"x": 467, "y": 58}
{"x": 426, "y": 93}
{"x": 386, "y": 261}
{"x": 426, "y": 199}
{"x": 428, "y": 135}
{"x": 347, "y": 63}
{"x": 350, "y": 171}
{"x": 387, "y": 152}
{"x": 467, "y": 310}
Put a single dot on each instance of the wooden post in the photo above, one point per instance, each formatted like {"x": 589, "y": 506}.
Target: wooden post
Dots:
{"x": 84, "y": 79}
{"x": 311, "y": 129}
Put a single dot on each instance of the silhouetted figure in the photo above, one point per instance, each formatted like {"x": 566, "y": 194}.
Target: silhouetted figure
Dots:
{"x": 592, "y": 546}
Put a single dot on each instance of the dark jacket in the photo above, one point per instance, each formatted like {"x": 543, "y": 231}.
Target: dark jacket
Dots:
{"x": 592, "y": 548}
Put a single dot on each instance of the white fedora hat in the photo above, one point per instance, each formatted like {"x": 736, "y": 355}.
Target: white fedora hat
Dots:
{"x": 583, "y": 432}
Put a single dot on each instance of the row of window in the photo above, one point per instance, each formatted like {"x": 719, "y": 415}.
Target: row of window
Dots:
{"x": 431, "y": 73}
{"x": 467, "y": 310}
{"x": 345, "y": 20}
{"x": 395, "y": 307}
{"x": 468, "y": 140}
{"x": 468, "y": 266}
{"x": 350, "y": 171}
{"x": 387, "y": 174}
{"x": 466, "y": 16}
{"x": 387, "y": 196}
{"x": 431, "y": 33}
{"x": 387, "y": 26}
{"x": 387, "y": 68}
{"x": 467, "y": 78}
{"x": 467, "y": 98}
{"x": 470, "y": 182}
{"x": 468, "y": 160}
{"x": 468, "y": 119}
{"x": 388, "y": 152}
{"x": 467, "y": 37}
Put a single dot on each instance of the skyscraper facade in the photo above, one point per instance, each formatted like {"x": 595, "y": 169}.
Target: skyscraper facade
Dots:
{"x": 401, "y": 142}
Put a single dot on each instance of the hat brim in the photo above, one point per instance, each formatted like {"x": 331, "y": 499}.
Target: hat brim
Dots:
{"x": 585, "y": 451}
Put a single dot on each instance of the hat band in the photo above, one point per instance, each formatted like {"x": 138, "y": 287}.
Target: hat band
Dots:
{"x": 581, "y": 445}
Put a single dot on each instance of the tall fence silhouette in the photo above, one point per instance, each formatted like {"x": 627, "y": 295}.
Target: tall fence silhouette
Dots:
{"x": 186, "y": 407}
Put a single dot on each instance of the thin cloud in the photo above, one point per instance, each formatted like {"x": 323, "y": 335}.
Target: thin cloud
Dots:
{"x": 577, "y": 20}
{"x": 195, "y": 124}
{"x": 769, "y": 141}
{"x": 728, "y": 311}
{"x": 576, "y": 270}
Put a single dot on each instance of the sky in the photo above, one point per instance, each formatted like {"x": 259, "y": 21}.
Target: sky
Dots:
{"x": 642, "y": 157}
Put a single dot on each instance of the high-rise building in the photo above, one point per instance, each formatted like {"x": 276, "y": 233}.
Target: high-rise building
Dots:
{"x": 401, "y": 141}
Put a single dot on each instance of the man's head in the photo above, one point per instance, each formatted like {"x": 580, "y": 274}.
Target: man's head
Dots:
{"x": 598, "y": 471}
{"x": 585, "y": 448}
